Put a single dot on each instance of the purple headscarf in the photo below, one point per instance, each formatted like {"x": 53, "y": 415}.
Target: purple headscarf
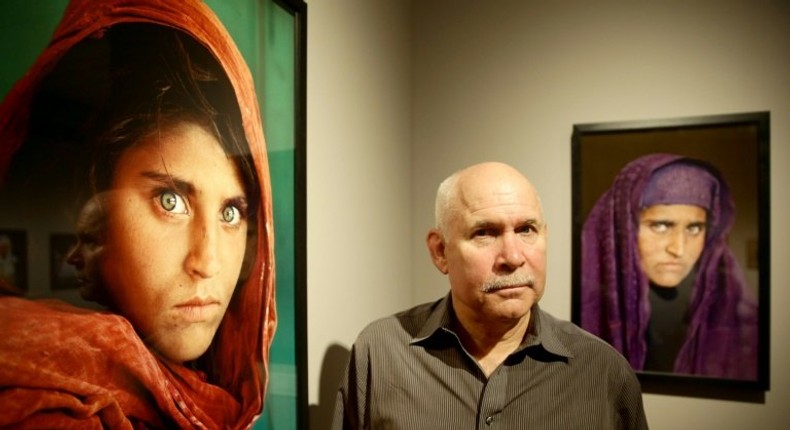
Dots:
{"x": 721, "y": 338}
{"x": 681, "y": 183}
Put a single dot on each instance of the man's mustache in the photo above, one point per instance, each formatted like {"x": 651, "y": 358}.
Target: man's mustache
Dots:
{"x": 509, "y": 281}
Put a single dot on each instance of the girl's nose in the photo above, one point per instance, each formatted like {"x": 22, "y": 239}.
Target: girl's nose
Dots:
{"x": 202, "y": 260}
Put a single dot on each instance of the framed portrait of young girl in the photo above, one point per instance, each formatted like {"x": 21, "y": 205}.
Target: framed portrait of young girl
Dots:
{"x": 151, "y": 152}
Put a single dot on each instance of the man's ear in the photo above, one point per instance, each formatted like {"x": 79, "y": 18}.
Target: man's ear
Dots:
{"x": 436, "y": 248}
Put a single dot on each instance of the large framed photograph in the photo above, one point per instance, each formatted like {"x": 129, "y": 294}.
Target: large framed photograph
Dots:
{"x": 671, "y": 248}
{"x": 152, "y": 154}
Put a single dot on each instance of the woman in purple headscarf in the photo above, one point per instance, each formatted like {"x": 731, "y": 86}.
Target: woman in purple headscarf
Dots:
{"x": 658, "y": 280}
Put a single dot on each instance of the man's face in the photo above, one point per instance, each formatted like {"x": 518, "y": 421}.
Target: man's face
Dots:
{"x": 494, "y": 249}
{"x": 671, "y": 239}
{"x": 176, "y": 233}
{"x": 86, "y": 253}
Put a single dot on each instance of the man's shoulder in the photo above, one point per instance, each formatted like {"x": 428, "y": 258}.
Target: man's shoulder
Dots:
{"x": 578, "y": 341}
{"x": 401, "y": 325}
{"x": 587, "y": 353}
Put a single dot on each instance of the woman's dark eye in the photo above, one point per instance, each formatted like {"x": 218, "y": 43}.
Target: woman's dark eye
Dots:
{"x": 659, "y": 227}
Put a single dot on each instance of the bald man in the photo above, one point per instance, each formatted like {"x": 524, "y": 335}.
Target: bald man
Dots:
{"x": 486, "y": 355}
{"x": 86, "y": 254}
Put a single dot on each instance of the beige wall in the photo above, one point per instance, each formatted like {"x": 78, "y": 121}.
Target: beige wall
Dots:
{"x": 358, "y": 179}
{"x": 401, "y": 94}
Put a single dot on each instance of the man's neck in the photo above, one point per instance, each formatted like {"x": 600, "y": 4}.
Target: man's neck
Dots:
{"x": 491, "y": 343}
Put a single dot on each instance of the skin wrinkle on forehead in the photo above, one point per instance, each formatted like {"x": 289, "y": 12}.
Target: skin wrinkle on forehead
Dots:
{"x": 454, "y": 196}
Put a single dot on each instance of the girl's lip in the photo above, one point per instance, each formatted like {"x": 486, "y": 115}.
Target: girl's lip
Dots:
{"x": 197, "y": 309}
{"x": 198, "y": 301}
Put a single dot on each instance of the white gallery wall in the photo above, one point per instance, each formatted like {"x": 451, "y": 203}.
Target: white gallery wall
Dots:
{"x": 359, "y": 174}
{"x": 403, "y": 93}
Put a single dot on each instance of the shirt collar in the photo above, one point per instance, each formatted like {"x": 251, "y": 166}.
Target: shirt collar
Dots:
{"x": 540, "y": 333}
{"x": 440, "y": 319}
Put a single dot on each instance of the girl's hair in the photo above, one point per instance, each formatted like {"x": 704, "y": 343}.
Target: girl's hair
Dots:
{"x": 159, "y": 77}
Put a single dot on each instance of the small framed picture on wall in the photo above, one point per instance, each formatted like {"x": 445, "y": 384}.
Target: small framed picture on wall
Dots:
{"x": 13, "y": 261}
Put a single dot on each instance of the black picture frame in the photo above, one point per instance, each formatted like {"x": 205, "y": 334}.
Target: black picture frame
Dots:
{"x": 297, "y": 9}
{"x": 277, "y": 57}
{"x": 738, "y": 146}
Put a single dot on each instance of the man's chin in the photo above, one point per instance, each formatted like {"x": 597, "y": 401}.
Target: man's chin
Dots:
{"x": 93, "y": 292}
{"x": 513, "y": 308}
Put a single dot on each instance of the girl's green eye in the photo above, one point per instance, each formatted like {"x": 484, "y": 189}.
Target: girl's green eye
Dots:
{"x": 231, "y": 215}
{"x": 172, "y": 202}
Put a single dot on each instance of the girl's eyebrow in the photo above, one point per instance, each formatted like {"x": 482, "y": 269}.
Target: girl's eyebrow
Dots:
{"x": 180, "y": 185}
{"x": 185, "y": 187}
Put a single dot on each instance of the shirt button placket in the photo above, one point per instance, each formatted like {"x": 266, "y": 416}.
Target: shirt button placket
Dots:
{"x": 493, "y": 399}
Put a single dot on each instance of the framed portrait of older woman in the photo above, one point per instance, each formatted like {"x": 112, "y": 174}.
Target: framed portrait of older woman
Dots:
{"x": 164, "y": 142}
{"x": 671, "y": 249}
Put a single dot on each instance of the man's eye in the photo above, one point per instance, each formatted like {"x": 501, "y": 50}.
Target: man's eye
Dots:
{"x": 231, "y": 215}
{"x": 90, "y": 240}
{"x": 172, "y": 202}
{"x": 527, "y": 229}
{"x": 481, "y": 232}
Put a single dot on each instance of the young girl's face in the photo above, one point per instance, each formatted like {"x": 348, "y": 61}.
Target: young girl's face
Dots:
{"x": 176, "y": 235}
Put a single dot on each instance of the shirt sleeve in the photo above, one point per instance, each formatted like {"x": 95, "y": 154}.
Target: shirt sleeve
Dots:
{"x": 631, "y": 411}
{"x": 351, "y": 404}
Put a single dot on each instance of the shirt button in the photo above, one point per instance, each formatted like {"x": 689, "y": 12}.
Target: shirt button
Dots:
{"x": 489, "y": 420}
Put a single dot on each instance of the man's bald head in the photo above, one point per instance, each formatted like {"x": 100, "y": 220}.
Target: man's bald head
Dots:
{"x": 487, "y": 177}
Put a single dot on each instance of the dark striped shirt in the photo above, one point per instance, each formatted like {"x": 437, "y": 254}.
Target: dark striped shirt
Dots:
{"x": 409, "y": 371}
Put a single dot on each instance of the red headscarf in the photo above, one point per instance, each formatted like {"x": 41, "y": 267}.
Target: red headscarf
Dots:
{"x": 62, "y": 366}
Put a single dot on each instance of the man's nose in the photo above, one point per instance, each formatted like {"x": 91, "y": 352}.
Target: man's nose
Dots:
{"x": 74, "y": 256}
{"x": 511, "y": 254}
